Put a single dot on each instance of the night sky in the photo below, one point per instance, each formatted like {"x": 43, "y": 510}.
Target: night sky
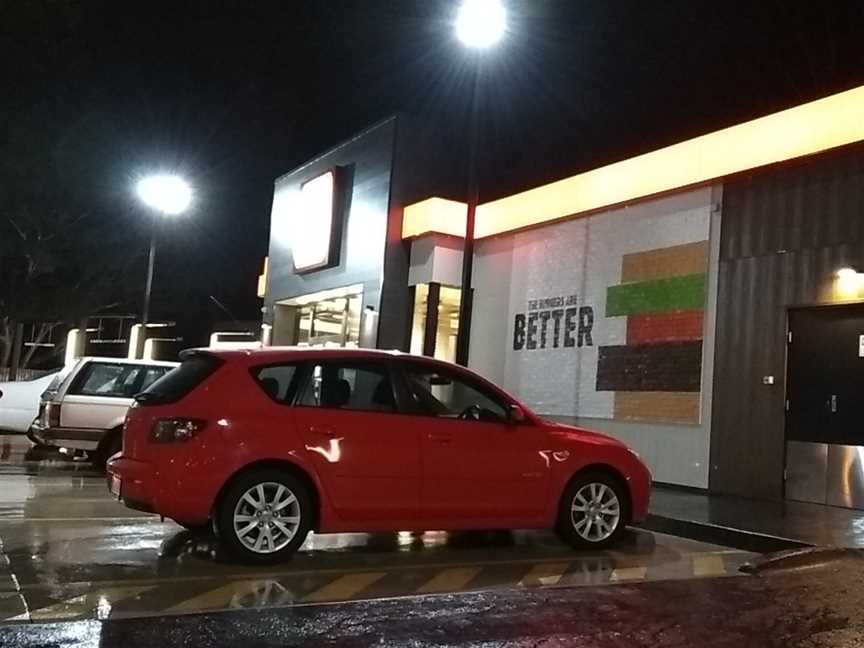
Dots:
{"x": 235, "y": 93}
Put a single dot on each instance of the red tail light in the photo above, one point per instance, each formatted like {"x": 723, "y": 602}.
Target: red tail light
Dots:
{"x": 176, "y": 430}
{"x": 53, "y": 415}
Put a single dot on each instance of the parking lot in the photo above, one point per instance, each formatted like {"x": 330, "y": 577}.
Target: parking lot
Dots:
{"x": 69, "y": 551}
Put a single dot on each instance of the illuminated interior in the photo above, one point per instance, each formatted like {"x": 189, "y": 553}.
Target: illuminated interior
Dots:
{"x": 803, "y": 130}
{"x": 329, "y": 318}
{"x": 448, "y": 321}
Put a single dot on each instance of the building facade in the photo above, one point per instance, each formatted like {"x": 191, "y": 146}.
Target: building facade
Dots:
{"x": 702, "y": 302}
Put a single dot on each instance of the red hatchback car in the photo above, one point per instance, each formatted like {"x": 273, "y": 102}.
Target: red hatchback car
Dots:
{"x": 268, "y": 445}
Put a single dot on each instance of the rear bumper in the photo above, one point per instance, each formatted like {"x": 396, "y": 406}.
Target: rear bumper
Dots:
{"x": 78, "y": 438}
{"x": 144, "y": 488}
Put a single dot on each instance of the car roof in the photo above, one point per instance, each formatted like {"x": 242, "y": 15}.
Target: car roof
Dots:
{"x": 264, "y": 355}
{"x": 157, "y": 363}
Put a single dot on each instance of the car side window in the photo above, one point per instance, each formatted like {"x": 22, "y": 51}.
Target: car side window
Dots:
{"x": 445, "y": 394}
{"x": 106, "y": 379}
{"x": 151, "y": 375}
{"x": 353, "y": 386}
{"x": 277, "y": 381}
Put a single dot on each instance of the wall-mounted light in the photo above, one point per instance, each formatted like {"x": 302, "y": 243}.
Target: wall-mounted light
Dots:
{"x": 849, "y": 284}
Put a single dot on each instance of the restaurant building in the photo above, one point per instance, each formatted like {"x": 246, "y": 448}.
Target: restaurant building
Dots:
{"x": 702, "y": 302}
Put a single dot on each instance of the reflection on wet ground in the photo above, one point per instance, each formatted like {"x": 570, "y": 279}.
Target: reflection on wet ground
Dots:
{"x": 69, "y": 551}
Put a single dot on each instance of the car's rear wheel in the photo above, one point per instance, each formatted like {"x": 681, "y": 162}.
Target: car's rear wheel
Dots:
{"x": 264, "y": 516}
{"x": 111, "y": 444}
{"x": 593, "y": 511}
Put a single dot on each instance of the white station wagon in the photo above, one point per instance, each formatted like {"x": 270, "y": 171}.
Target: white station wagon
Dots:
{"x": 87, "y": 409}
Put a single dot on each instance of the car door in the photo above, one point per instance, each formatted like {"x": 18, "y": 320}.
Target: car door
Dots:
{"x": 366, "y": 452}
{"x": 477, "y": 465}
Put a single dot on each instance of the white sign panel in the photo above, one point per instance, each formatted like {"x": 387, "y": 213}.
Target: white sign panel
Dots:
{"x": 312, "y": 224}
{"x": 861, "y": 346}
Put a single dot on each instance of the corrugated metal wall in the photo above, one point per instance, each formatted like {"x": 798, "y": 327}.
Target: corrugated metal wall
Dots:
{"x": 785, "y": 233}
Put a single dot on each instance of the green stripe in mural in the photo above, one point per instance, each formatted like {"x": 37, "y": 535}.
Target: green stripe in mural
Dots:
{"x": 658, "y": 296}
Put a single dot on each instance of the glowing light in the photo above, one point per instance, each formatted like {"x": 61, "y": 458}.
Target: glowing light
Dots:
{"x": 434, "y": 215}
{"x": 849, "y": 284}
{"x": 797, "y": 132}
{"x": 313, "y": 223}
{"x": 167, "y": 194}
{"x": 481, "y": 23}
{"x": 263, "y": 278}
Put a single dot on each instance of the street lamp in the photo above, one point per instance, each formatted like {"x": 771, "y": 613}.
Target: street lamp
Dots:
{"x": 479, "y": 25}
{"x": 167, "y": 195}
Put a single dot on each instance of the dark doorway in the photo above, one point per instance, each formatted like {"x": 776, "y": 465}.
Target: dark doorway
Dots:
{"x": 825, "y": 406}
{"x": 826, "y": 375}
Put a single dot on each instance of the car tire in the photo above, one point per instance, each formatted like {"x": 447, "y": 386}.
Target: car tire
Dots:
{"x": 111, "y": 445}
{"x": 594, "y": 511}
{"x": 264, "y": 516}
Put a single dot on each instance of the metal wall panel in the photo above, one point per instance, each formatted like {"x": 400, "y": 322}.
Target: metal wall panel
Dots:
{"x": 785, "y": 232}
{"x": 806, "y": 471}
{"x": 845, "y": 476}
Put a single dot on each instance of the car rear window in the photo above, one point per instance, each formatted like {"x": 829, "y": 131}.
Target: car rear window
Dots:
{"x": 106, "y": 379}
{"x": 180, "y": 381}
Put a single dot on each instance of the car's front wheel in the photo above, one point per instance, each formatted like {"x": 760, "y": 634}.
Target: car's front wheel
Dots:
{"x": 593, "y": 512}
{"x": 264, "y": 516}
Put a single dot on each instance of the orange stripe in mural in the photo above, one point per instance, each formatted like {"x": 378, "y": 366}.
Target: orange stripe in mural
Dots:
{"x": 675, "y": 261}
{"x": 666, "y": 407}
{"x": 657, "y": 328}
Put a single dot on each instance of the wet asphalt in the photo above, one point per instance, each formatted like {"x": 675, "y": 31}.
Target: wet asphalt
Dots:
{"x": 79, "y": 569}
{"x": 806, "y": 608}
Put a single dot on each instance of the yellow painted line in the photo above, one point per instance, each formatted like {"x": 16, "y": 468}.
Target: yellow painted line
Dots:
{"x": 628, "y": 574}
{"x": 95, "y": 604}
{"x": 708, "y": 566}
{"x": 217, "y": 598}
{"x": 449, "y": 580}
{"x": 345, "y": 587}
{"x": 234, "y": 575}
{"x": 544, "y": 574}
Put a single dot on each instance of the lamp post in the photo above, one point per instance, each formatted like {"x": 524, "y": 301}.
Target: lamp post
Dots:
{"x": 479, "y": 25}
{"x": 167, "y": 195}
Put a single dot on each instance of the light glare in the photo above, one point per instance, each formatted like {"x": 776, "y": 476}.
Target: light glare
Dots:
{"x": 165, "y": 193}
{"x": 481, "y": 23}
{"x": 313, "y": 223}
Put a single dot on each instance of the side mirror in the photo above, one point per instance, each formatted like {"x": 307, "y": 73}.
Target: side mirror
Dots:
{"x": 516, "y": 414}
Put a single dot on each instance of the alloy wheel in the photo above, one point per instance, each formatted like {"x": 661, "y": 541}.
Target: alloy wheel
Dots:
{"x": 595, "y": 512}
{"x": 266, "y": 517}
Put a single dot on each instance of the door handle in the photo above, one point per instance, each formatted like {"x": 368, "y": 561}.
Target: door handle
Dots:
{"x": 833, "y": 403}
{"x": 322, "y": 431}
{"x": 440, "y": 438}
